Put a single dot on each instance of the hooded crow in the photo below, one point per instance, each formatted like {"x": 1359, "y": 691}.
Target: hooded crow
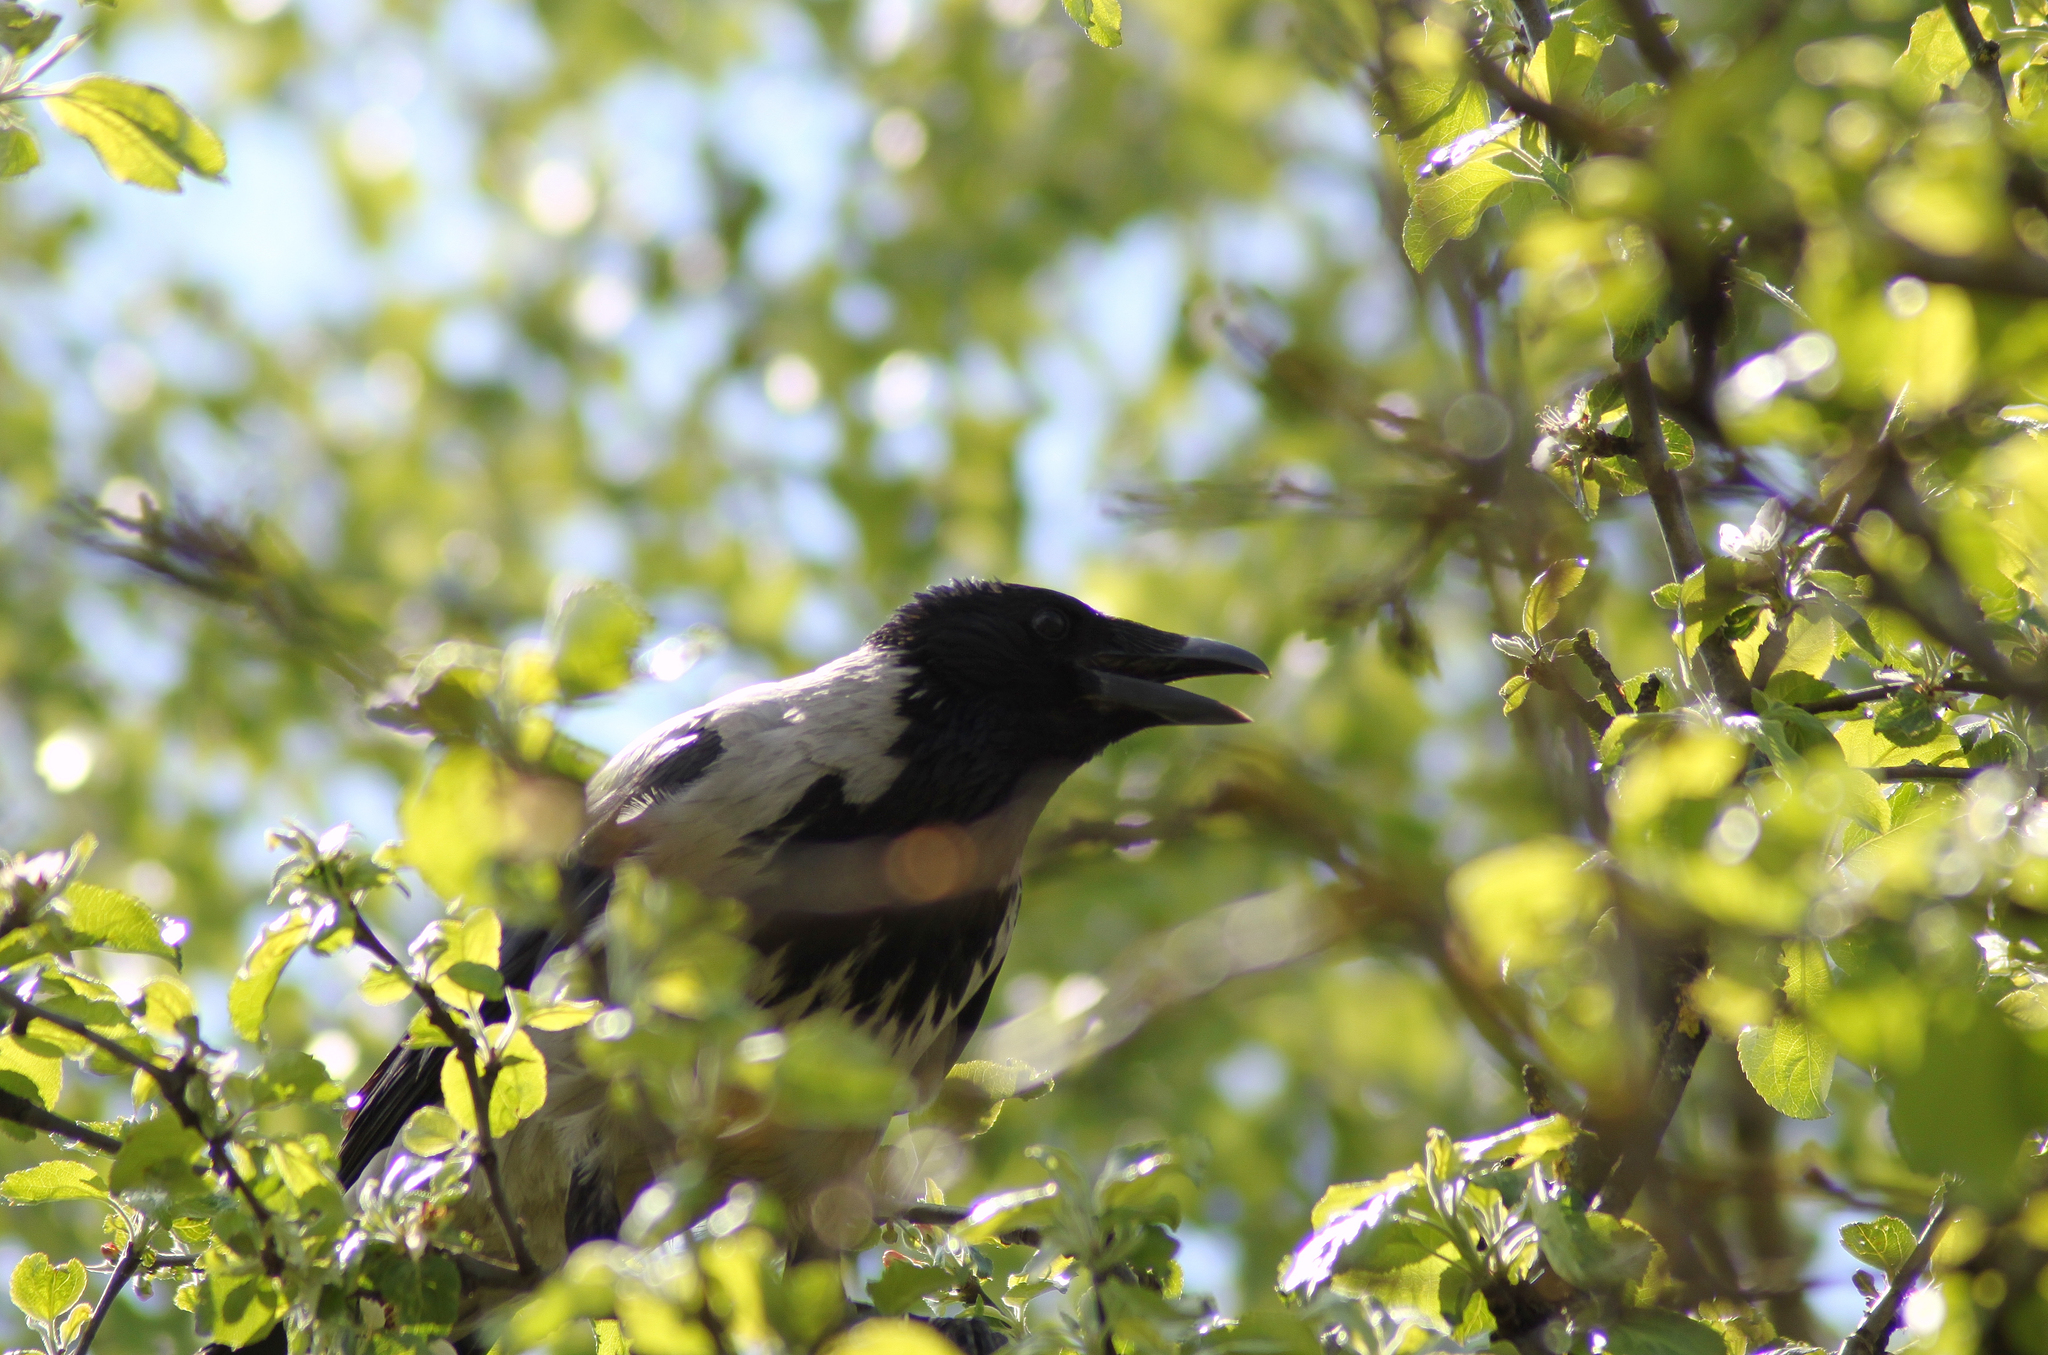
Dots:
{"x": 871, "y": 817}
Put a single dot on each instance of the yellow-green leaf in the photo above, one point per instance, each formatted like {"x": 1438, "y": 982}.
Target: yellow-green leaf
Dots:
{"x": 140, "y": 133}
{"x": 1883, "y": 1243}
{"x": 1101, "y": 20}
{"x": 249, "y": 994}
{"x": 113, "y": 920}
{"x": 1549, "y": 590}
{"x": 1791, "y": 1063}
{"x": 31, "y": 1067}
{"x": 522, "y": 1086}
{"x": 1934, "y": 58}
{"x": 44, "y": 1291}
{"x": 596, "y": 630}
{"x": 382, "y": 987}
{"x": 60, "y": 1179}
{"x": 19, "y": 152}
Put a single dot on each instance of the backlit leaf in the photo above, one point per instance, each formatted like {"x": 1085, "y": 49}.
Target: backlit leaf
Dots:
{"x": 140, "y": 133}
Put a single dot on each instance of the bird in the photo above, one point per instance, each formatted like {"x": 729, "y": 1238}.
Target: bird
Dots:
{"x": 870, "y": 816}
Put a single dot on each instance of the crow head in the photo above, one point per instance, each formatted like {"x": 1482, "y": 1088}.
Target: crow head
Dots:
{"x": 1044, "y": 672}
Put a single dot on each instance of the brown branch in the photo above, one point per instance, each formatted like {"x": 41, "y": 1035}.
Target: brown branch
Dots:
{"x": 1602, "y": 671}
{"x": 1646, "y": 30}
{"x": 1862, "y": 696}
{"x": 1547, "y": 677}
{"x": 481, "y": 1084}
{"x": 23, "y": 1111}
{"x": 1983, "y": 51}
{"x": 1674, "y": 521}
{"x": 1535, "y": 19}
{"x": 1684, "y": 1037}
{"x": 1569, "y": 124}
{"x": 1920, "y": 771}
{"x": 1874, "y": 1336}
{"x": 124, "y": 1270}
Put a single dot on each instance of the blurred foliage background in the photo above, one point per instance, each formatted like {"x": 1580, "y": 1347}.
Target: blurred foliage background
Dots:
{"x": 772, "y": 312}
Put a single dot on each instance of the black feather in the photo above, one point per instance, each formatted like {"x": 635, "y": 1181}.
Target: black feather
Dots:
{"x": 592, "y": 1211}
{"x": 907, "y": 957}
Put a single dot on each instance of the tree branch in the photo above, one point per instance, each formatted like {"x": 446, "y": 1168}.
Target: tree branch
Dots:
{"x": 1983, "y": 51}
{"x": 1646, "y": 30}
{"x": 172, "y": 1082}
{"x": 1685, "y": 1035}
{"x": 1874, "y": 1336}
{"x": 1920, "y": 771}
{"x": 481, "y": 1085}
{"x": 1546, "y": 676}
{"x": 1602, "y": 671}
{"x": 124, "y": 1270}
{"x": 1674, "y": 521}
{"x": 1570, "y": 124}
{"x": 23, "y": 1111}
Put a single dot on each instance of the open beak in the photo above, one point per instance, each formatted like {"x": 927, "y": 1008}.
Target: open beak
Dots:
{"x": 1135, "y": 676}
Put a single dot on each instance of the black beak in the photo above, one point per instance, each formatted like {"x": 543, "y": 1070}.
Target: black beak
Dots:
{"x": 1134, "y": 677}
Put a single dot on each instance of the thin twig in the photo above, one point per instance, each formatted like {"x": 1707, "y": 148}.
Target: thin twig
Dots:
{"x": 1571, "y": 124}
{"x": 124, "y": 1270}
{"x": 1685, "y": 1035}
{"x": 1646, "y": 30}
{"x": 1983, "y": 51}
{"x": 1863, "y": 696}
{"x": 481, "y": 1084}
{"x": 1874, "y": 1336}
{"x": 1602, "y": 671}
{"x": 23, "y": 1111}
{"x": 172, "y": 1082}
{"x": 1674, "y": 521}
{"x": 1920, "y": 771}
{"x": 1547, "y": 677}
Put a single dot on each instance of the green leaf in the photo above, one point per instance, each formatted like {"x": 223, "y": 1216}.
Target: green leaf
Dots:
{"x": 972, "y": 1096}
{"x": 1883, "y": 1243}
{"x": 521, "y": 1088}
{"x": 249, "y": 994}
{"x": 834, "y": 1075}
{"x": 1513, "y": 693}
{"x": 59, "y": 1179}
{"x": 1596, "y": 1252}
{"x": 156, "y": 1151}
{"x": 901, "y": 1284}
{"x": 1550, "y": 589}
{"x": 1531, "y": 1139}
{"x": 1791, "y": 1063}
{"x": 32, "y": 1067}
{"x": 596, "y": 629}
{"x": 44, "y": 1291}
{"x": 478, "y": 978}
{"x": 1909, "y": 720}
{"x": 1101, "y": 20}
{"x": 140, "y": 133}
{"x": 1448, "y": 207}
{"x": 430, "y": 1132}
{"x": 18, "y": 152}
{"x": 1934, "y": 58}
{"x": 1677, "y": 443}
{"x": 381, "y": 987}
{"x": 244, "y": 1306}
{"x": 112, "y": 920}
{"x": 23, "y": 29}
{"x": 563, "y": 1015}
{"x": 1651, "y": 1332}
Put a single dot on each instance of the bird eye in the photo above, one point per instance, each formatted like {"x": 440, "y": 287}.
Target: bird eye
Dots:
{"x": 1050, "y": 624}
